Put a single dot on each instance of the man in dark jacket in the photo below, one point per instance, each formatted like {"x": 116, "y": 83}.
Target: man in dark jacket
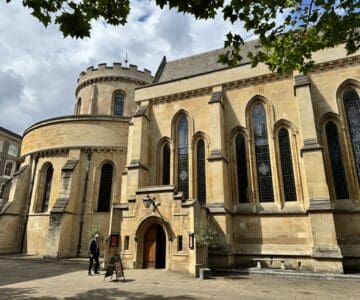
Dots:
{"x": 94, "y": 253}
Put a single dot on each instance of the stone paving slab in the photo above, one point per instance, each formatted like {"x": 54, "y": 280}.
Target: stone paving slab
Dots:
{"x": 35, "y": 279}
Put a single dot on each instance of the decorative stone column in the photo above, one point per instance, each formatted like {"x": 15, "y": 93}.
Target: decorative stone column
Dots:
{"x": 218, "y": 202}
{"x": 326, "y": 252}
{"x": 137, "y": 170}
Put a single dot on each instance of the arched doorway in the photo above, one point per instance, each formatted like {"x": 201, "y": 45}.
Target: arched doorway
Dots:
{"x": 154, "y": 247}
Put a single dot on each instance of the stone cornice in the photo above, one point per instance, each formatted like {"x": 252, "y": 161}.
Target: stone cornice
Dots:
{"x": 65, "y": 150}
{"x": 352, "y": 60}
{"x": 182, "y": 95}
{"x": 269, "y": 77}
{"x": 109, "y": 78}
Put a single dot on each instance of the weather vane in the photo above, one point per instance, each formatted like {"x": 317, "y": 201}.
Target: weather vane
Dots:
{"x": 126, "y": 60}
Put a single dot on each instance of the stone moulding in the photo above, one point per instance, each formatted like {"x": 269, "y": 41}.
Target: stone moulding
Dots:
{"x": 216, "y": 98}
{"x": 60, "y": 205}
{"x": 215, "y": 155}
{"x": 310, "y": 145}
{"x": 250, "y": 81}
{"x": 121, "y": 206}
{"x": 136, "y": 164}
{"x": 155, "y": 189}
{"x": 320, "y": 204}
{"x": 326, "y": 251}
{"x": 108, "y": 78}
{"x": 65, "y": 150}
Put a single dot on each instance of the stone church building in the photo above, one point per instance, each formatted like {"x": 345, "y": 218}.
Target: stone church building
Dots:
{"x": 269, "y": 162}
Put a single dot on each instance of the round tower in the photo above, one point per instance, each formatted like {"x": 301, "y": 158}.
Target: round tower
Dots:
{"x": 109, "y": 90}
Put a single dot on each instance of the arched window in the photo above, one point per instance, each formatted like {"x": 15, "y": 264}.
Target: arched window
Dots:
{"x": 336, "y": 161}
{"x": 118, "y": 104}
{"x": 352, "y": 110}
{"x": 183, "y": 157}
{"x": 78, "y": 106}
{"x": 47, "y": 188}
{"x": 200, "y": 172}
{"x": 165, "y": 164}
{"x": 241, "y": 168}
{"x": 262, "y": 154}
{"x": 9, "y": 168}
{"x": 286, "y": 165}
{"x": 105, "y": 188}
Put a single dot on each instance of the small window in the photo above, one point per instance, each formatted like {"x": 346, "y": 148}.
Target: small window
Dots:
{"x": 241, "y": 168}
{"x": 201, "y": 174}
{"x": 166, "y": 164}
{"x": 47, "y": 189}
{"x": 9, "y": 168}
{"x": 13, "y": 150}
{"x": 105, "y": 188}
{"x": 78, "y": 106}
{"x": 286, "y": 165}
{"x": 179, "y": 243}
{"x": 336, "y": 161}
{"x": 118, "y": 104}
{"x": 126, "y": 242}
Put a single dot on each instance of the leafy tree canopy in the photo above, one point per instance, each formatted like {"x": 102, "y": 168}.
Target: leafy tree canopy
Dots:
{"x": 288, "y": 30}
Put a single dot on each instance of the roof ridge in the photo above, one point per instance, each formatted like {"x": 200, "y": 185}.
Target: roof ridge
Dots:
{"x": 195, "y": 55}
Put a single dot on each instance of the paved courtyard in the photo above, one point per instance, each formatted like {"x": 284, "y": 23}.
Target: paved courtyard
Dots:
{"x": 29, "y": 279}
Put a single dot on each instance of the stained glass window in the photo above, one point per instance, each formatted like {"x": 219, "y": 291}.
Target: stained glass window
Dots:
{"x": 262, "y": 154}
{"x": 286, "y": 165}
{"x": 47, "y": 189}
{"x": 166, "y": 164}
{"x": 201, "y": 176}
{"x": 352, "y": 109}
{"x": 336, "y": 161}
{"x": 183, "y": 157}
{"x": 118, "y": 104}
{"x": 105, "y": 188}
{"x": 241, "y": 167}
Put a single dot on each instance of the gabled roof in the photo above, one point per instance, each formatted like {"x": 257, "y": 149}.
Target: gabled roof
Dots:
{"x": 10, "y": 133}
{"x": 198, "y": 64}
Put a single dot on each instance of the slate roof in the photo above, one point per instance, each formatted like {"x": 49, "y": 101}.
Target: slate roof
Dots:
{"x": 197, "y": 64}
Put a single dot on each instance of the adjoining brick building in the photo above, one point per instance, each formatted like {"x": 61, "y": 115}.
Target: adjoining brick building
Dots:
{"x": 271, "y": 162}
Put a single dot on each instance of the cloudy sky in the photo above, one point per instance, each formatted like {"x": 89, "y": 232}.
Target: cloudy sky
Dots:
{"x": 39, "y": 68}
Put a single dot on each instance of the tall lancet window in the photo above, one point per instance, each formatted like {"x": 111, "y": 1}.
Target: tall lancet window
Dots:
{"x": 118, "y": 104}
{"x": 183, "y": 157}
{"x": 165, "y": 164}
{"x": 286, "y": 165}
{"x": 336, "y": 161}
{"x": 262, "y": 154}
{"x": 241, "y": 168}
{"x": 105, "y": 188}
{"x": 352, "y": 109}
{"x": 47, "y": 188}
{"x": 200, "y": 172}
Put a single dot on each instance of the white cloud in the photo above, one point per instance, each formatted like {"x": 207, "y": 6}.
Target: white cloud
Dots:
{"x": 39, "y": 68}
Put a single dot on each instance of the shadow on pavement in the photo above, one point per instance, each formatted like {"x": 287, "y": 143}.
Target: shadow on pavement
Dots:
{"x": 14, "y": 271}
{"x": 103, "y": 294}
{"x": 110, "y": 294}
{"x": 21, "y": 294}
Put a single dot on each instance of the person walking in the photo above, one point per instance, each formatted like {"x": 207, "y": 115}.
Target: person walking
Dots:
{"x": 94, "y": 253}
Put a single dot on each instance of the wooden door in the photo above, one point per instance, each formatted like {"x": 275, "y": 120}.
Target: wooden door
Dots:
{"x": 149, "y": 257}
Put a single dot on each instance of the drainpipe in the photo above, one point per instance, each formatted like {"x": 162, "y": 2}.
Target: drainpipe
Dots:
{"x": 82, "y": 214}
{"x": 35, "y": 158}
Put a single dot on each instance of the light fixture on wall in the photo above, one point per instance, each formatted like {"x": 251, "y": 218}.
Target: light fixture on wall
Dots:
{"x": 150, "y": 202}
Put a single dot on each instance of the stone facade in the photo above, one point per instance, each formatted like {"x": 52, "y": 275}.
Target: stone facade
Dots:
{"x": 9, "y": 152}
{"x": 270, "y": 162}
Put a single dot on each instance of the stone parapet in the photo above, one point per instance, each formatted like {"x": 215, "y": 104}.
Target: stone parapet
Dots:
{"x": 116, "y": 72}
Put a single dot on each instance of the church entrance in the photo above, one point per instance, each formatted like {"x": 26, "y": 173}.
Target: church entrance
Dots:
{"x": 154, "y": 247}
